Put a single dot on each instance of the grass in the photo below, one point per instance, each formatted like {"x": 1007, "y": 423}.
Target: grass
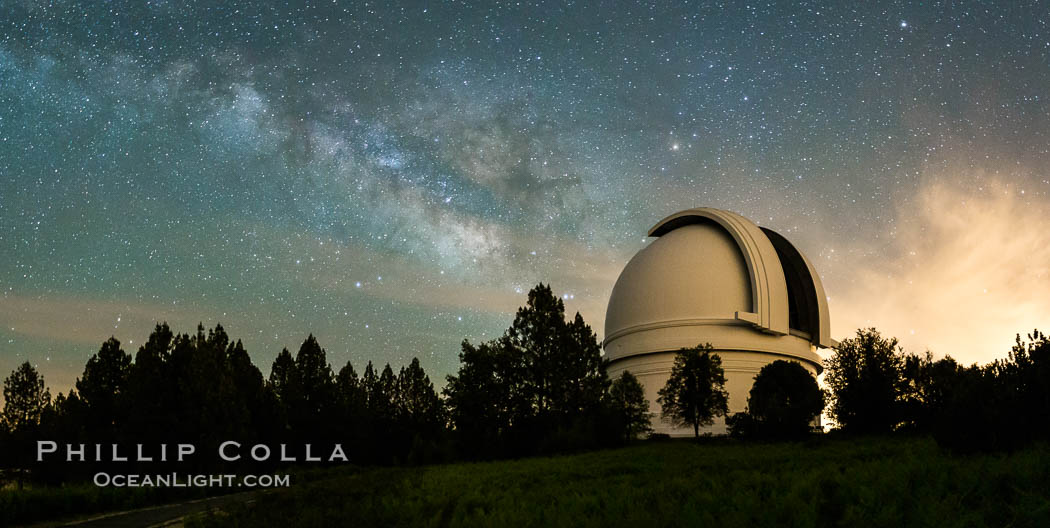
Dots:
{"x": 827, "y": 482}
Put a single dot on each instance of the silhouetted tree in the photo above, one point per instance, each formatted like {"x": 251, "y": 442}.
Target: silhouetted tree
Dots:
{"x": 417, "y": 401}
{"x": 1028, "y": 369}
{"x": 544, "y": 379}
{"x": 306, "y": 390}
{"x": 864, "y": 375}
{"x": 555, "y": 366}
{"x": 784, "y": 400}
{"x": 583, "y": 375}
{"x": 386, "y": 397}
{"x": 384, "y": 412}
{"x": 64, "y": 421}
{"x": 283, "y": 385}
{"x": 370, "y": 385}
{"x": 1002, "y": 405}
{"x": 631, "y": 409}
{"x": 314, "y": 397}
{"x": 314, "y": 376}
{"x": 25, "y": 399}
{"x": 479, "y": 398}
{"x": 537, "y": 341}
{"x": 420, "y": 411}
{"x": 695, "y": 392}
{"x": 209, "y": 408}
{"x": 351, "y": 411}
{"x": 927, "y": 387}
{"x": 202, "y": 389}
{"x": 151, "y": 395}
{"x": 979, "y": 412}
{"x": 102, "y": 387}
{"x": 350, "y": 391}
{"x": 251, "y": 389}
{"x": 282, "y": 375}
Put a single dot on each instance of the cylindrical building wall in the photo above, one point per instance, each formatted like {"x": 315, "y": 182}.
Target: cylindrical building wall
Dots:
{"x": 653, "y": 370}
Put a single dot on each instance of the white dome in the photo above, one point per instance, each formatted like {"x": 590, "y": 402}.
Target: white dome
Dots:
{"x": 694, "y": 272}
{"x": 715, "y": 277}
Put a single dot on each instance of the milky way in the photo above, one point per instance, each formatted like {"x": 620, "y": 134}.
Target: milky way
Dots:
{"x": 394, "y": 178}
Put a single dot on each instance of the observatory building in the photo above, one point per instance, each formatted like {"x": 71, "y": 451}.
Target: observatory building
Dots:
{"x": 713, "y": 276}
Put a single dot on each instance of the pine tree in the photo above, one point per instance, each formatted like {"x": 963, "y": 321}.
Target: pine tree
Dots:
{"x": 25, "y": 399}
{"x": 544, "y": 378}
{"x": 250, "y": 389}
{"x": 102, "y": 388}
{"x": 351, "y": 402}
{"x": 209, "y": 409}
{"x": 584, "y": 380}
{"x": 386, "y": 396}
{"x": 370, "y": 386}
{"x": 350, "y": 393}
{"x": 305, "y": 387}
{"x": 418, "y": 402}
{"x": 151, "y": 393}
{"x": 283, "y": 377}
{"x": 479, "y": 399}
{"x": 314, "y": 378}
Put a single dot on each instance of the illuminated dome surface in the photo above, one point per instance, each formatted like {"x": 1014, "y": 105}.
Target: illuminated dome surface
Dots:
{"x": 713, "y": 276}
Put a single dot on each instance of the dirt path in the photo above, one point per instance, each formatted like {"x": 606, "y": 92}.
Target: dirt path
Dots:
{"x": 164, "y": 515}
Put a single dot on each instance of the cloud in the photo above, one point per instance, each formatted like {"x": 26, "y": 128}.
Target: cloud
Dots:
{"x": 968, "y": 268}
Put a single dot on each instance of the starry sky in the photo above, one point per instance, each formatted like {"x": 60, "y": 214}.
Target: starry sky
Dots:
{"x": 394, "y": 177}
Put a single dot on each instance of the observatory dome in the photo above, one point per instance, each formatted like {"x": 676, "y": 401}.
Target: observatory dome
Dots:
{"x": 712, "y": 276}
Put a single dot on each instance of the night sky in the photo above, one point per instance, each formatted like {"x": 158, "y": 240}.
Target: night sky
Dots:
{"x": 394, "y": 179}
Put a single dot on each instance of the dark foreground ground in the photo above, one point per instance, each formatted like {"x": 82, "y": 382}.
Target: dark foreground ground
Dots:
{"x": 827, "y": 482}
{"x": 159, "y": 515}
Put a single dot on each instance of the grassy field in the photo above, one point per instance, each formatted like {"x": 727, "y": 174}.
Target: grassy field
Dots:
{"x": 827, "y": 482}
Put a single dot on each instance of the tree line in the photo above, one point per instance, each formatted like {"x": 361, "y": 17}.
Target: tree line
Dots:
{"x": 541, "y": 387}
{"x": 875, "y": 387}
